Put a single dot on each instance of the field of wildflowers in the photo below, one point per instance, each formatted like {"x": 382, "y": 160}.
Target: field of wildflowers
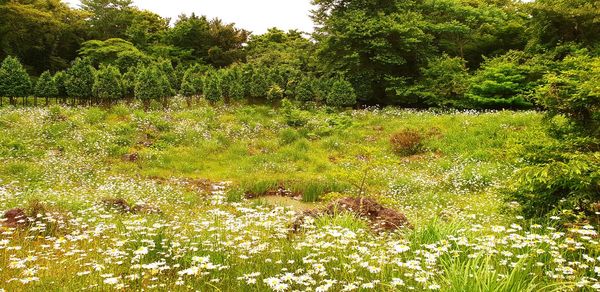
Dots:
{"x": 182, "y": 199}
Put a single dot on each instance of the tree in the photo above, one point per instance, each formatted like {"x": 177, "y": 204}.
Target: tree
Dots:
{"x": 80, "y": 79}
{"x": 46, "y": 87}
{"x": 14, "y": 80}
{"x": 341, "y": 94}
{"x": 107, "y": 84}
{"x": 212, "y": 88}
{"x": 60, "y": 79}
{"x": 553, "y": 22}
{"x": 237, "y": 91}
{"x": 192, "y": 84}
{"x": 501, "y": 82}
{"x": 108, "y": 18}
{"x": 444, "y": 82}
{"x": 210, "y": 42}
{"x": 43, "y": 34}
{"x": 151, "y": 84}
{"x": 378, "y": 45}
{"x": 115, "y": 51}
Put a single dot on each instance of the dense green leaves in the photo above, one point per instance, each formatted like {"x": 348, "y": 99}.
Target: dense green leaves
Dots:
{"x": 46, "y": 86}
{"x": 14, "y": 80}
{"x": 107, "y": 84}
{"x": 80, "y": 79}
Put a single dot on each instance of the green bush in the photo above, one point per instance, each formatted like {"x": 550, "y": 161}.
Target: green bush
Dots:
{"x": 566, "y": 174}
{"x": 212, "y": 88}
{"x": 444, "y": 82}
{"x": 502, "y": 82}
{"x": 304, "y": 90}
{"x": 107, "y": 84}
{"x": 341, "y": 94}
{"x": 80, "y": 79}
{"x": 46, "y": 86}
{"x": 14, "y": 80}
{"x": 151, "y": 84}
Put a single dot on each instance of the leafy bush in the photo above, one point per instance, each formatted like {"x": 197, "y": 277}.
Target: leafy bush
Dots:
{"x": 275, "y": 92}
{"x": 212, "y": 88}
{"x": 46, "y": 86}
{"x": 502, "y": 82}
{"x": 406, "y": 142}
{"x": 151, "y": 84}
{"x": 294, "y": 117}
{"x": 14, "y": 80}
{"x": 107, "y": 84}
{"x": 304, "y": 90}
{"x": 341, "y": 94}
{"x": 80, "y": 79}
{"x": 566, "y": 174}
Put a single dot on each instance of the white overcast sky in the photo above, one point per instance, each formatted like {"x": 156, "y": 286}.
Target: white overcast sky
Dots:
{"x": 254, "y": 15}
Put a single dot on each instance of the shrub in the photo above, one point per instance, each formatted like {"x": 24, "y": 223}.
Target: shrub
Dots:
{"x": 59, "y": 79}
{"x": 275, "y": 92}
{"x": 304, "y": 90}
{"x": 212, "y": 89}
{"x": 14, "y": 80}
{"x": 406, "y": 142}
{"x": 191, "y": 84}
{"x": 80, "y": 79}
{"x": 294, "y": 117}
{"x": 502, "y": 82}
{"x": 566, "y": 174}
{"x": 107, "y": 84}
{"x": 237, "y": 91}
{"x": 342, "y": 94}
{"x": 46, "y": 86}
{"x": 151, "y": 84}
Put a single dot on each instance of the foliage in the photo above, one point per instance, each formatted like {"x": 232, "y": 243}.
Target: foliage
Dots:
{"x": 565, "y": 174}
{"x": 151, "y": 84}
{"x": 60, "y": 79}
{"x": 304, "y": 90}
{"x": 341, "y": 94}
{"x": 192, "y": 83}
{"x": 14, "y": 80}
{"x": 108, "y": 84}
{"x": 502, "y": 82}
{"x": 406, "y": 142}
{"x": 212, "y": 87}
{"x": 444, "y": 82}
{"x": 46, "y": 86}
{"x": 80, "y": 79}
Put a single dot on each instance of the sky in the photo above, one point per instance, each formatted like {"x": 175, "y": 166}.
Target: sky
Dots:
{"x": 254, "y": 15}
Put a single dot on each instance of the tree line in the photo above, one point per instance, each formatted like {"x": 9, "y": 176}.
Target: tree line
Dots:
{"x": 488, "y": 54}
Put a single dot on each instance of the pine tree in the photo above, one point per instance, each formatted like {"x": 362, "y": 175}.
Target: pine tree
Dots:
{"x": 45, "y": 87}
{"x": 14, "y": 80}
{"x": 107, "y": 84}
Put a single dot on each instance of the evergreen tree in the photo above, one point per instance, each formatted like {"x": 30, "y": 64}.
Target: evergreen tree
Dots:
{"x": 59, "y": 80}
{"x": 237, "y": 91}
{"x": 191, "y": 85}
{"x": 14, "y": 80}
{"x": 107, "y": 85}
{"x": 212, "y": 88}
{"x": 341, "y": 94}
{"x": 80, "y": 79}
{"x": 151, "y": 83}
{"x": 45, "y": 87}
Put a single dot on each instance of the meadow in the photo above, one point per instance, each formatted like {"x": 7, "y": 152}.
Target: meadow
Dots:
{"x": 189, "y": 198}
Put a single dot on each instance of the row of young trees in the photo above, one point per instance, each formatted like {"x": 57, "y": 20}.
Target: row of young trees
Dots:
{"x": 84, "y": 83}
